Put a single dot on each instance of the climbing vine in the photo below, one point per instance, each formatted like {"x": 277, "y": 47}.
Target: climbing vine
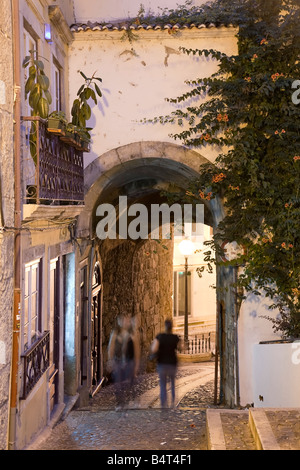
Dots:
{"x": 249, "y": 115}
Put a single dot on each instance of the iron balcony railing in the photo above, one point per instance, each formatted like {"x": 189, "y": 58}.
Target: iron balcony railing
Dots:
{"x": 35, "y": 363}
{"x": 52, "y": 169}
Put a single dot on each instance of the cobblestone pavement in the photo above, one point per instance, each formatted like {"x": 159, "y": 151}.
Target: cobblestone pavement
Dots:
{"x": 285, "y": 425}
{"x": 99, "y": 426}
{"x": 237, "y": 433}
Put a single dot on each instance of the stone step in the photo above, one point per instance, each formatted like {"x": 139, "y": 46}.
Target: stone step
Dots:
{"x": 253, "y": 429}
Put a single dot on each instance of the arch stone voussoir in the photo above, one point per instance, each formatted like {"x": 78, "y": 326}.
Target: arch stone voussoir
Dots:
{"x": 141, "y": 152}
{"x": 103, "y": 169}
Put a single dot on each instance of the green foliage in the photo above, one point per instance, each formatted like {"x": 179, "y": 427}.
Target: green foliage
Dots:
{"x": 58, "y": 115}
{"x": 37, "y": 92}
{"x": 81, "y": 110}
{"x": 37, "y": 86}
{"x": 250, "y": 117}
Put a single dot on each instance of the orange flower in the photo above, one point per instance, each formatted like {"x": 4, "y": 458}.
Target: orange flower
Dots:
{"x": 218, "y": 178}
{"x": 296, "y": 158}
{"x": 275, "y": 76}
{"x": 283, "y": 245}
{"x": 263, "y": 41}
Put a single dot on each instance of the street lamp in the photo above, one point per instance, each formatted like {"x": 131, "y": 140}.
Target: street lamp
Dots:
{"x": 186, "y": 248}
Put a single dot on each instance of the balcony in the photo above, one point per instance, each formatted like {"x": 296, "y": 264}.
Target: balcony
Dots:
{"x": 35, "y": 364}
{"x": 52, "y": 169}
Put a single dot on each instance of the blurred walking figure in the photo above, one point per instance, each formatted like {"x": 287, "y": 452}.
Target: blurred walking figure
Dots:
{"x": 165, "y": 345}
{"x": 131, "y": 355}
{"x": 123, "y": 358}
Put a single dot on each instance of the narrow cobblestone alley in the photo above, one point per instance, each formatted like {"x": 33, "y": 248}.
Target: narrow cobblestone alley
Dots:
{"x": 142, "y": 425}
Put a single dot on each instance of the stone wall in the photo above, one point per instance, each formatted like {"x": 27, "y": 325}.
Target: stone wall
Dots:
{"x": 6, "y": 213}
{"x": 137, "y": 280}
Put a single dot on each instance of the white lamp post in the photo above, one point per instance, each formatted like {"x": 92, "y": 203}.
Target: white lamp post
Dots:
{"x": 186, "y": 248}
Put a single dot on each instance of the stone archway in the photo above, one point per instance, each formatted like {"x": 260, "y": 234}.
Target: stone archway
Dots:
{"x": 179, "y": 163}
{"x": 141, "y": 170}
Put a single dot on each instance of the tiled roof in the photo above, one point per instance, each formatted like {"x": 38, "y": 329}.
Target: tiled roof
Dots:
{"x": 96, "y": 26}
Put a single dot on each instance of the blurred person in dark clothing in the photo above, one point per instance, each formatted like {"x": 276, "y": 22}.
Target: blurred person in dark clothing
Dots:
{"x": 165, "y": 346}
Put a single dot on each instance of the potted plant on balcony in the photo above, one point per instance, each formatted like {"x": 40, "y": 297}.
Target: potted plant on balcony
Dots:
{"x": 57, "y": 122}
{"x": 37, "y": 92}
{"x": 37, "y": 86}
{"x": 69, "y": 135}
{"x": 84, "y": 138}
{"x": 81, "y": 110}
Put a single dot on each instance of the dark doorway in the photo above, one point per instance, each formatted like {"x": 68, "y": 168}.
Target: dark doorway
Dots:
{"x": 96, "y": 327}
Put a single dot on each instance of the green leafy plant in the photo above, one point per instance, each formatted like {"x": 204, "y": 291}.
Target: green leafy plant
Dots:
{"x": 250, "y": 117}
{"x": 37, "y": 92}
{"x": 58, "y": 115}
{"x": 57, "y": 122}
{"x": 81, "y": 110}
{"x": 37, "y": 86}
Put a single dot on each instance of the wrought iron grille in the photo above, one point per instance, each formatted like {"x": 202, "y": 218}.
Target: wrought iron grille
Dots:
{"x": 52, "y": 169}
{"x": 35, "y": 363}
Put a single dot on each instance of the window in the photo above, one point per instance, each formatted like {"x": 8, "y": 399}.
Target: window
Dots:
{"x": 179, "y": 293}
{"x": 31, "y": 320}
{"x": 53, "y": 300}
{"x": 56, "y": 74}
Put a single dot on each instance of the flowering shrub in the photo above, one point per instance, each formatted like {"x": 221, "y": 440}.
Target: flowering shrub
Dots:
{"x": 259, "y": 177}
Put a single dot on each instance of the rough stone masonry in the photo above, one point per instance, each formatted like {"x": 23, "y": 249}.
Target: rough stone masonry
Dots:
{"x": 6, "y": 212}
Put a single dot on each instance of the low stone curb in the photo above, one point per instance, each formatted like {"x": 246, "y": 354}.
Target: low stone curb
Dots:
{"x": 258, "y": 422}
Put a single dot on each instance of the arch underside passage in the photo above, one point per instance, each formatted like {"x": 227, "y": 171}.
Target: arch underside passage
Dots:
{"x": 141, "y": 171}
{"x": 138, "y": 274}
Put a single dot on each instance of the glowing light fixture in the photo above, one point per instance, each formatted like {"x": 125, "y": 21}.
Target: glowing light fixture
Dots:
{"x": 48, "y": 32}
{"x": 186, "y": 247}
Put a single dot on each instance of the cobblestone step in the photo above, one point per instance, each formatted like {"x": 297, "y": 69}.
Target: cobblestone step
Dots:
{"x": 253, "y": 429}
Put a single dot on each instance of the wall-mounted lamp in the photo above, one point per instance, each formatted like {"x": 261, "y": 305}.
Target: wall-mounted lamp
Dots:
{"x": 48, "y": 32}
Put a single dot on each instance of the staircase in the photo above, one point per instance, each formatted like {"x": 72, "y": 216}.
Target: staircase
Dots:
{"x": 253, "y": 429}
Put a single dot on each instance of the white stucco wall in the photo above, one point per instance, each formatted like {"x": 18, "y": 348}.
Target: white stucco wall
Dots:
{"x": 135, "y": 85}
{"x": 110, "y": 10}
{"x": 203, "y": 294}
{"x": 252, "y": 329}
{"x": 276, "y": 375}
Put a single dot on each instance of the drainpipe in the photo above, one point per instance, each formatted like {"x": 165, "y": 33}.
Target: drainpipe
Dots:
{"x": 17, "y": 242}
{"x": 237, "y": 366}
